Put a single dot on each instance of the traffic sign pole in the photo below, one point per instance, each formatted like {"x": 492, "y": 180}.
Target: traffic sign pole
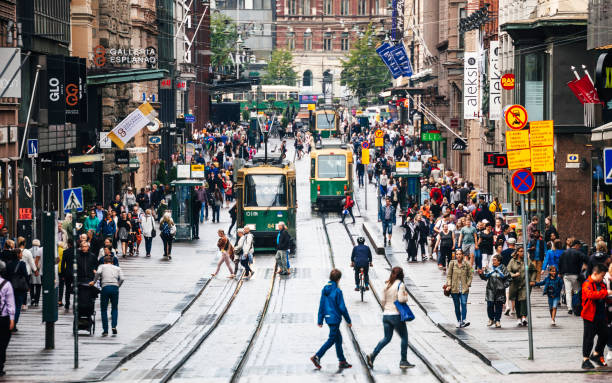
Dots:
{"x": 526, "y": 264}
{"x": 75, "y": 289}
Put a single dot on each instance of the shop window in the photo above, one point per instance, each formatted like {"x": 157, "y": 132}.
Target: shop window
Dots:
{"x": 533, "y": 85}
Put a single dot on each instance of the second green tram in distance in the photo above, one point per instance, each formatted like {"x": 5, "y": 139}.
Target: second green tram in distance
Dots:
{"x": 327, "y": 123}
{"x": 331, "y": 175}
{"x": 265, "y": 196}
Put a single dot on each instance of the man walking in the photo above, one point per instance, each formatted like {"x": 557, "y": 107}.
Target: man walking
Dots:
{"x": 333, "y": 309}
{"x": 571, "y": 262}
{"x": 387, "y": 217}
{"x": 283, "y": 242}
{"x": 111, "y": 278}
{"x": 7, "y": 316}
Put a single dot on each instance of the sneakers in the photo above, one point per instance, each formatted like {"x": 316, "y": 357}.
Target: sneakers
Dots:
{"x": 586, "y": 365}
{"x": 315, "y": 360}
{"x": 404, "y": 364}
{"x": 104, "y": 333}
{"x": 370, "y": 360}
{"x": 519, "y": 323}
{"x": 552, "y": 322}
{"x": 114, "y": 331}
{"x": 458, "y": 325}
{"x": 524, "y": 322}
{"x": 344, "y": 364}
{"x": 464, "y": 324}
{"x": 357, "y": 288}
{"x": 598, "y": 360}
{"x": 570, "y": 312}
{"x": 497, "y": 324}
{"x": 490, "y": 323}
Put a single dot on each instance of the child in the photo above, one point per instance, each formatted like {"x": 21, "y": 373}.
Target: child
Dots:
{"x": 332, "y": 308}
{"x": 553, "y": 284}
{"x": 594, "y": 294}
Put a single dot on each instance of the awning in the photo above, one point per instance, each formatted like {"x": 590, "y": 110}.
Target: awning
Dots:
{"x": 127, "y": 76}
{"x": 602, "y": 133}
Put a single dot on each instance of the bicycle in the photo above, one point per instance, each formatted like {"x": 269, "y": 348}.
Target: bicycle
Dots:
{"x": 362, "y": 287}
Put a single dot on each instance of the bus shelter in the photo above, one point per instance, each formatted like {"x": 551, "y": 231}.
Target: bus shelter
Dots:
{"x": 181, "y": 207}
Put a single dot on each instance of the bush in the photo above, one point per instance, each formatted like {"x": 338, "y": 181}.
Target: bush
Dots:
{"x": 162, "y": 175}
{"x": 363, "y": 102}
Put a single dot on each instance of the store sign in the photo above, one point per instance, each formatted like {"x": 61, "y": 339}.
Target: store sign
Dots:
{"x": 308, "y": 98}
{"x": 122, "y": 157}
{"x": 11, "y": 73}
{"x": 507, "y": 81}
{"x": 471, "y": 75}
{"x": 55, "y": 94}
{"x": 497, "y": 160}
{"x": 603, "y": 77}
{"x": 495, "y": 102}
{"x": 431, "y": 137}
{"x": 165, "y": 83}
{"x": 385, "y": 51}
{"x": 76, "y": 89}
{"x": 125, "y": 56}
{"x": 25, "y": 213}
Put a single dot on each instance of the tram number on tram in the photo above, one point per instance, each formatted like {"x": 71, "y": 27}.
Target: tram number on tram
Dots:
{"x": 252, "y": 214}
{"x": 271, "y": 226}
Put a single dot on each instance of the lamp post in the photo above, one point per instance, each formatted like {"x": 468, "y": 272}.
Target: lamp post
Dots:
{"x": 238, "y": 44}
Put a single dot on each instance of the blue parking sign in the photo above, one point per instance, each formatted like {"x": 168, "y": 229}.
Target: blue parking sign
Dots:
{"x": 608, "y": 166}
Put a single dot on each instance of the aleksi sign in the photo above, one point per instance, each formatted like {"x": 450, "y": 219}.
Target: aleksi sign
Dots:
{"x": 495, "y": 105}
{"x": 471, "y": 74}
{"x": 497, "y": 160}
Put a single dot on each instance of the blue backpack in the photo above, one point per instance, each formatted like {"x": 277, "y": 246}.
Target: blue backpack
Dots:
{"x": 165, "y": 229}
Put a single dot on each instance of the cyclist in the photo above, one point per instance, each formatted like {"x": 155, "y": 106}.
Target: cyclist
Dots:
{"x": 361, "y": 258}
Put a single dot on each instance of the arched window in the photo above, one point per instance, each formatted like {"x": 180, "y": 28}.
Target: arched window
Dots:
{"x": 307, "y": 79}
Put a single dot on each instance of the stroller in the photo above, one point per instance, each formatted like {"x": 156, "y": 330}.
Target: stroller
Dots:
{"x": 86, "y": 305}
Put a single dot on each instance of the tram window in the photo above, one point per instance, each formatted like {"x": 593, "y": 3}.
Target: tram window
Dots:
{"x": 332, "y": 166}
{"x": 313, "y": 164}
{"x": 266, "y": 190}
{"x": 325, "y": 121}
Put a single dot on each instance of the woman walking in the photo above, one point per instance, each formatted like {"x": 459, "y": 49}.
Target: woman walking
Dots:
{"x": 445, "y": 242}
{"x": 227, "y": 254}
{"x": 518, "y": 291}
{"x": 167, "y": 228}
{"x": 495, "y": 294}
{"x": 148, "y": 230}
{"x": 218, "y": 202}
{"x": 459, "y": 280}
{"x": 394, "y": 291}
{"x": 17, "y": 274}
{"x": 123, "y": 230}
{"x": 242, "y": 250}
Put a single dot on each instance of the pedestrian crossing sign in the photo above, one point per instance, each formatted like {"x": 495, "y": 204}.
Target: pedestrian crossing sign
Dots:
{"x": 608, "y": 165}
{"x": 73, "y": 199}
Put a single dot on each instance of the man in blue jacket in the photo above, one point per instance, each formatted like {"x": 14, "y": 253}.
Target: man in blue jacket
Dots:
{"x": 361, "y": 258}
{"x": 332, "y": 308}
{"x": 386, "y": 215}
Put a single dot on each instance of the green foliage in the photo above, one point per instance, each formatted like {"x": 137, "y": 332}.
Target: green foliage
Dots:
{"x": 89, "y": 194}
{"x": 222, "y": 39}
{"x": 162, "y": 175}
{"x": 279, "y": 70}
{"x": 173, "y": 174}
{"x": 363, "y": 70}
{"x": 363, "y": 102}
{"x": 245, "y": 115}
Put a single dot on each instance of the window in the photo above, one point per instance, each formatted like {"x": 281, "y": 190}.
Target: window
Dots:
{"x": 362, "y": 7}
{"x": 290, "y": 43}
{"x": 292, "y": 7}
{"x": 266, "y": 190}
{"x": 307, "y": 41}
{"x": 313, "y": 164}
{"x": 328, "y": 7}
{"x": 344, "y": 7}
{"x": 325, "y": 121}
{"x": 327, "y": 44}
{"x": 306, "y": 7}
{"x": 344, "y": 43}
{"x": 533, "y": 91}
{"x": 307, "y": 78}
{"x": 462, "y": 15}
{"x": 331, "y": 166}
{"x": 376, "y": 7}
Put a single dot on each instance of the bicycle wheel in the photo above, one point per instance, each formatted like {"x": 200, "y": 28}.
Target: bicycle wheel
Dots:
{"x": 361, "y": 285}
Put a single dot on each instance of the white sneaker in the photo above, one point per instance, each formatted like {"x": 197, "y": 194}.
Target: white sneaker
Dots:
{"x": 519, "y": 322}
{"x": 458, "y": 325}
{"x": 609, "y": 355}
{"x": 552, "y": 323}
{"x": 490, "y": 323}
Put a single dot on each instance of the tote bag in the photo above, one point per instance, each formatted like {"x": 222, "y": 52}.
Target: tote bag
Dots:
{"x": 405, "y": 312}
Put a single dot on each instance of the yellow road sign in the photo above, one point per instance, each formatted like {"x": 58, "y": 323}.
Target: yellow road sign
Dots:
{"x": 519, "y": 159}
{"x": 311, "y": 106}
{"x": 378, "y": 133}
{"x": 542, "y": 133}
{"x": 402, "y": 164}
{"x": 365, "y": 156}
{"x": 379, "y": 141}
{"x": 517, "y": 139}
{"x": 543, "y": 159}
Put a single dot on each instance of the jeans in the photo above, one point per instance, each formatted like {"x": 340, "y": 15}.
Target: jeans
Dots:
{"x": 167, "y": 245}
{"x": 570, "y": 281}
{"x": 281, "y": 260}
{"x": 553, "y": 302}
{"x": 366, "y": 278}
{"x": 350, "y": 211}
{"x": 216, "y": 211}
{"x": 387, "y": 227}
{"x": 109, "y": 293}
{"x": 335, "y": 337}
{"x": 460, "y": 302}
{"x": 148, "y": 243}
{"x": 390, "y": 323}
{"x": 360, "y": 177}
{"x": 5, "y": 338}
{"x": 202, "y": 212}
{"x": 494, "y": 310}
{"x": 247, "y": 268}
{"x": 20, "y": 299}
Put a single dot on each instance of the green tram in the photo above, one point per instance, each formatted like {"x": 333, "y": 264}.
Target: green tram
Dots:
{"x": 327, "y": 123}
{"x": 265, "y": 196}
{"x": 331, "y": 175}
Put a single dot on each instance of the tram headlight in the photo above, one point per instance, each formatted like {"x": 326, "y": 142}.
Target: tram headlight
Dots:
{"x": 251, "y": 226}
{"x": 318, "y": 189}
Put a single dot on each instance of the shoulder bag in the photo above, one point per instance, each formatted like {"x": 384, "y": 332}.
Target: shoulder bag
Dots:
{"x": 153, "y": 232}
{"x": 405, "y": 312}
{"x": 19, "y": 282}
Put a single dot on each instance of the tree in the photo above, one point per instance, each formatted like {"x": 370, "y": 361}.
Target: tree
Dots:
{"x": 279, "y": 70}
{"x": 222, "y": 39}
{"x": 363, "y": 70}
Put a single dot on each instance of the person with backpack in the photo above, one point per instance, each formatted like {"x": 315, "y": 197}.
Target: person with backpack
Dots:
{"x": 571, "y": 263}
{"x": 553, "y": 284}
{"x": 594, "y": 315}
{"x": 361, "y": 258}
{"x": 7, "y": 315}
{"x": 392, "y": 321}
{"x": 17, "y": 274}
{"x": 243, "y": 251}
{"x": 332, "y": 309}
{"x": 347, "y": 208}
{"x": 167, "y": 228}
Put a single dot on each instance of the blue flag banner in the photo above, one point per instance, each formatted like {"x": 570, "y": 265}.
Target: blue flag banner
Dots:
{"x": 402, "y": 60}
{"x": 386, "y": 54}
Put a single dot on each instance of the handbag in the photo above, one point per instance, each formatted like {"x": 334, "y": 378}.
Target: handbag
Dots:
{"x": 447, "y": 290}
{"x": 405, "y": 312}
{"x": 153, "y": 232}
{"x": 19, "y": 282}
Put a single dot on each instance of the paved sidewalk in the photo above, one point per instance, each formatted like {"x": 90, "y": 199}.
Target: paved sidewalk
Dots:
{"x": 154, "y": 295}
{"x": 556, "y": 349}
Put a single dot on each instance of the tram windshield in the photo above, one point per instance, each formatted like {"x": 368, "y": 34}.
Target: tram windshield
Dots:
{"x": 325, "y": 121}
{"x": 266, "y": 190}
{"x": 332, "y": 166}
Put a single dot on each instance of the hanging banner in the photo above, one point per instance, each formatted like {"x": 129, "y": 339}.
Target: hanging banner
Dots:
{"x": 495, "y": 103}
{"x": 471, "y": 75}
{"x": 401, "y": 58}
{"x": 132, "y": 124}
{"x": 56, "y": 83}
{"x": 75, "y": 98}
{"x": 384, "y": 51}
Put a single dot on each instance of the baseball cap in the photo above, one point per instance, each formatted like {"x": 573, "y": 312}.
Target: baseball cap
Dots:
{"x": 511, "y": 240}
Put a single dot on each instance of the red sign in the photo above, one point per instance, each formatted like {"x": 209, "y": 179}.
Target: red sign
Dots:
{"x": 1, "y": 221}
{"x": 585, "y": 91}
{"x": 507, "y": 81}
{"x": 181, "y": 85}
{"x": 497, "y": 160}
{"x": 165, "y": 83}
{"x": 25, "y": 213}
{"x": 516, "y": 117}
{"x": 523, "y": 181}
